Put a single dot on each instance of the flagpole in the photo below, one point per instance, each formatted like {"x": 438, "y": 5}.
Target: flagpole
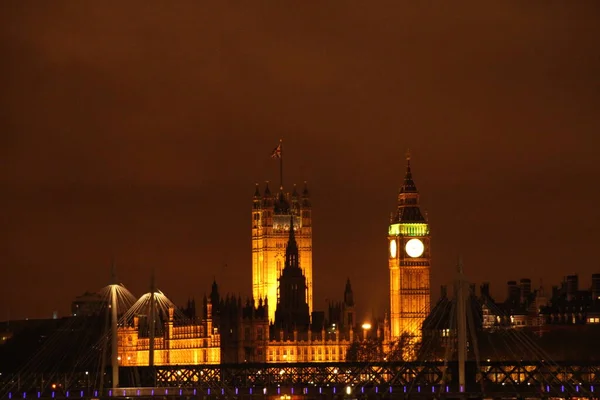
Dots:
{"x": 281, "y": 164}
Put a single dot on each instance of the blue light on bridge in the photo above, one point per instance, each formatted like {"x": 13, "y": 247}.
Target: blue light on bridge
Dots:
{"x": 95, "y": 393}
{"x": 67, "y": 393}
{"x": 110, "y": 393}
{"x": 208, "y": 392}
{"x": 562, "y": 388}
{"x": 577, "y": 388}
{"x": 334, "y": 390}
{"x": 376, "y": 389}
{"x": 10, "y": 395}
{"x": 194, "y": 392}
{"x": 81, "y": 394}
{"x": 180, "y": 392}
{"x": 39, "y": 394}
{"x": 547, "y": 388}
{"x": 24, "y": 394}
{"x": 53, "y": 394}
{"x": 433, "y": 389}
{"x": 137, "y": 392}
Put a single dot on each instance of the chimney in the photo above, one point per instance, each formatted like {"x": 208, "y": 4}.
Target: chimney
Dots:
{"x": 513, "y": 292}
{"x": 525, "y": 289}
{"x": 485, "y": 289}
{"x": 572, "y": 287}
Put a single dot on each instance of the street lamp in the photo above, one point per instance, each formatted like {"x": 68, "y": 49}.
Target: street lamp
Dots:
{"x": 366, "y": 326}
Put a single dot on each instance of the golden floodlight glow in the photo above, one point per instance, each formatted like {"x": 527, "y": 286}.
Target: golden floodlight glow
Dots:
{"x": 366, "y": 326}
{"x": 393, "y": 248}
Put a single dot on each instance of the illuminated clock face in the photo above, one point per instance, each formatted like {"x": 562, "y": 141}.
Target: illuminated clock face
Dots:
{"x": 414, "y": 248}
{"x": 393, "y": 248}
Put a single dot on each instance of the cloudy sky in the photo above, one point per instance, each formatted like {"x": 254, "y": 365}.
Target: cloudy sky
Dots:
{"x": 137, "y": 130}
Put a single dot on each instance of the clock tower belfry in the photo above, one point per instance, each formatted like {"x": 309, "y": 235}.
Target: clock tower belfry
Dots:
{"x": 409, "y": 262}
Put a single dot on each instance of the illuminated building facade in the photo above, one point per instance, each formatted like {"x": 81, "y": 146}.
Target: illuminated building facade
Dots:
{"x": 188, "y": 344}
{"x": 409, "y": 263}
{"x": 271, "y": 216}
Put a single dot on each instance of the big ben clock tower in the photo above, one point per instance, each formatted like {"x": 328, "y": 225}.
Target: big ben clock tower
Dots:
{"x": 409, "y": 262}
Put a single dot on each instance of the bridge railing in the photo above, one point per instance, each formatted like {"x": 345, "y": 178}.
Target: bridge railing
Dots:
{"x": 228, "y": 378}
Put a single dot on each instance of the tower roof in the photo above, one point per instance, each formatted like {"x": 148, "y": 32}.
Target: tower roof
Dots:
{"x": 408, "y": 199}
{"x": 410, "y": 214}
{"x": 409, "y": 185}
{"x": 267, "y": 190}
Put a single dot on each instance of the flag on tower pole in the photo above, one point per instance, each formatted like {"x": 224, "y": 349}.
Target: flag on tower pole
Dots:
{"x": 278, "y": 153}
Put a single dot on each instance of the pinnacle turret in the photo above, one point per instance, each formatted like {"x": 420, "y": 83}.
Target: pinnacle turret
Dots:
{"x": 257, "y": 194}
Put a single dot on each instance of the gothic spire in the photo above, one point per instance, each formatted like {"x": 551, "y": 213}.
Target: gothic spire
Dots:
{"x": 291, "y": 252}
{"x": 408, "y": 199}
{"x": 409, "y": 185}
{"x": 348, "y": 294}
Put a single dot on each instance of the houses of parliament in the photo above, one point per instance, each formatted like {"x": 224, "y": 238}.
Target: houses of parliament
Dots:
{"x": 279, "y": 323}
